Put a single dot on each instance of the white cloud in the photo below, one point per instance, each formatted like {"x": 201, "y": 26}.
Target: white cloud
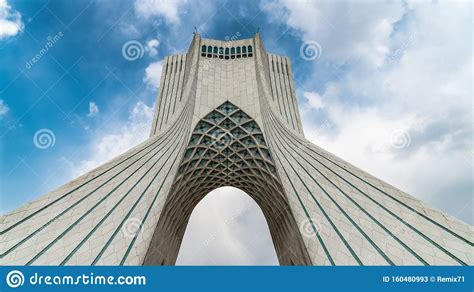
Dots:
{"x": 344, "y": 29}
{"x": 405, "y": 67}
{"x": 10, "y": 21}
{"x": 152, "y": 47}
{"x": 169, "y": 10}
{"x": 4, "y": 109}
{"x": 364, "y": 138}
{"x": 314, "y": 100}
{"x": 153, "y": 74}
{"x": 415, "y": 76}
{"x": 117, "y": 139}
{"x": 93, "y": 109}
{"x": 227, "y": 228}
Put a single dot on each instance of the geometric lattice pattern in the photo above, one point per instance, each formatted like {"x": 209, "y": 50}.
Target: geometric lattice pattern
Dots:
{"x": 224, "y": 121}
{"x": 227, "y": 148}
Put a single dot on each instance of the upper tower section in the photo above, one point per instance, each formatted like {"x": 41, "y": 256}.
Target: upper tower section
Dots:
{"x": 212, "y": 72}
{"x": 227, "y": 50}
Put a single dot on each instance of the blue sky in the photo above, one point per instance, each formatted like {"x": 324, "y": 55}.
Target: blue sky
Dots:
{"x": 391, "y": 92}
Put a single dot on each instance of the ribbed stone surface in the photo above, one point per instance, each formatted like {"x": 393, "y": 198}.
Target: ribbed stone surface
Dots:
{"x": 227, "y": 115}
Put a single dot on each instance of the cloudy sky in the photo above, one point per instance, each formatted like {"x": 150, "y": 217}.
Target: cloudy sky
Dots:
{"x": 390, "y": 92}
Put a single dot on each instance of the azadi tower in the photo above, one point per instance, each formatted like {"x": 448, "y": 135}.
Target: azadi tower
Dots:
{"x": 227, "y": 115}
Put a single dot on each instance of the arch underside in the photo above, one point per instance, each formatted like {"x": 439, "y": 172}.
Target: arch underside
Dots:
{"x": 134, "y": 208}
{"x": 226, "y": 148}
